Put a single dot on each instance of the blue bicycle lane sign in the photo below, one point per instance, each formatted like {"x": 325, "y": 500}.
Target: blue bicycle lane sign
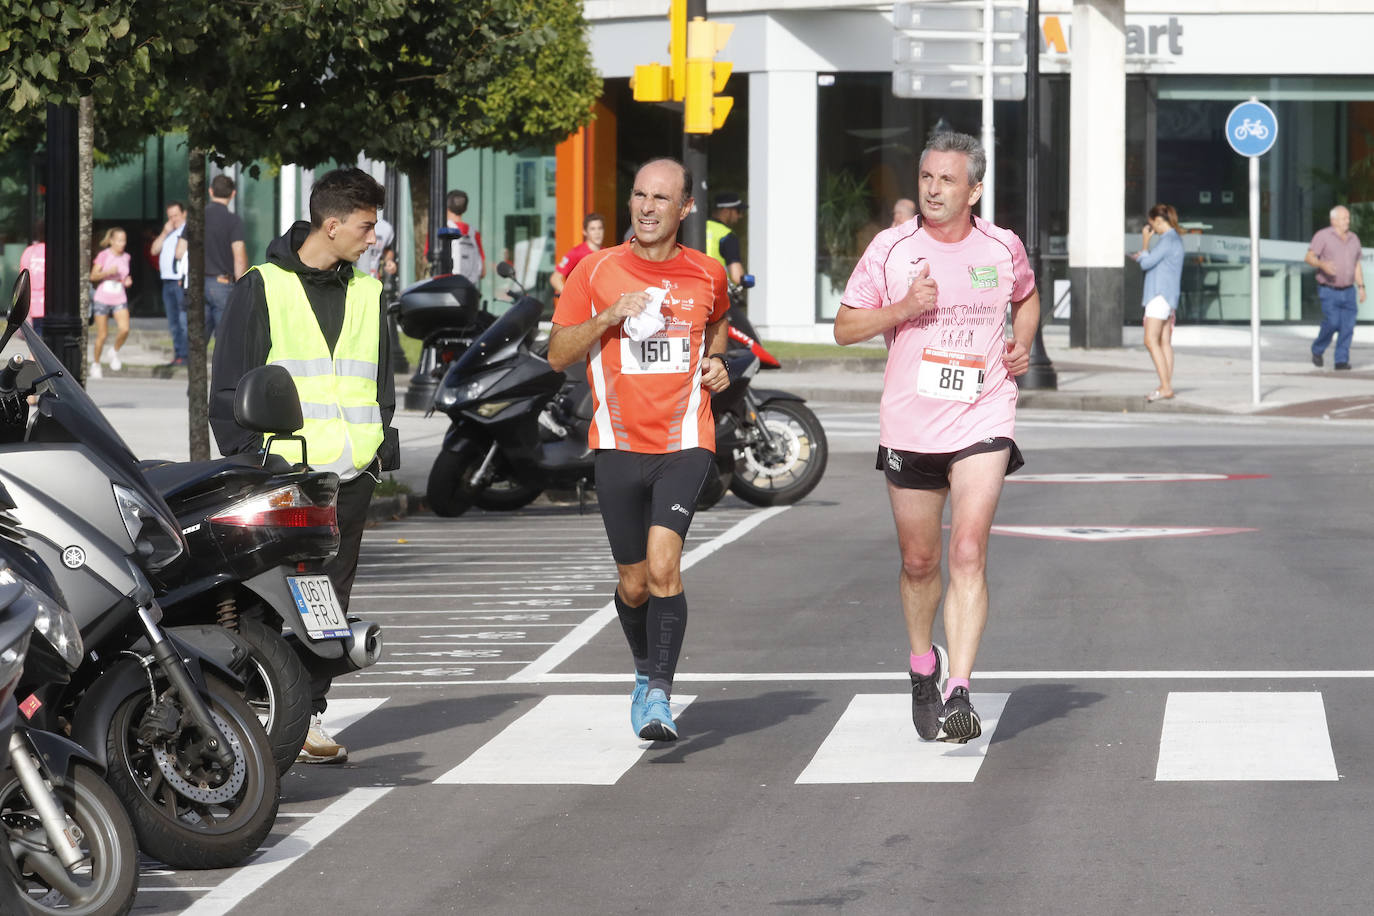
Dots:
{"x": 1252, "y": 128}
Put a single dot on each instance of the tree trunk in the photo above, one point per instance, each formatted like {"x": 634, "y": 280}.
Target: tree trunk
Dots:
{"x": 419, "y": 215}
{"x": 198, "y": 382}
{"x": 85, "y": 147}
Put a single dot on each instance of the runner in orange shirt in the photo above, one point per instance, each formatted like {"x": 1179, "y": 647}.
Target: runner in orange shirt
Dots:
{"x": 649, "y": 316}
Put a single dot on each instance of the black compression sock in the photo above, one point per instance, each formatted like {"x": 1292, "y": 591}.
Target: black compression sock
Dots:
{"x": 634, "y": 621}
{"x": 667, "y": 629}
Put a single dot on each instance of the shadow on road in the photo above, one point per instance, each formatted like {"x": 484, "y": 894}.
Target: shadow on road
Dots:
{"x": 1038, "y": 704}
{"x": 708, "y": 723}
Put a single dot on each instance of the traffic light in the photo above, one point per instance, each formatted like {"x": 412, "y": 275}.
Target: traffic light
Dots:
{"x": 703, "y": 110}
{"x": 657, "y": 83}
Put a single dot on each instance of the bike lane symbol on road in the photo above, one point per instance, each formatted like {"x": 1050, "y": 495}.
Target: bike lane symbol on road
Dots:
{"x": 1251, "y": 128}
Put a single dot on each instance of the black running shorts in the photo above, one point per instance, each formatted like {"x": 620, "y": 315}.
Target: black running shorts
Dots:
{"x": 922, "y": 471}
{"x": 636, "y": 491}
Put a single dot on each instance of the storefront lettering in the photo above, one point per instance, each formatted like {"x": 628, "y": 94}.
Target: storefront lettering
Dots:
{"x": 1139, "y": 39}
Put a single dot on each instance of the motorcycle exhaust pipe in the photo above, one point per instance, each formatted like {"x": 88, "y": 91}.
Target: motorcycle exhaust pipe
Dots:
{"x": 364, "y": 645}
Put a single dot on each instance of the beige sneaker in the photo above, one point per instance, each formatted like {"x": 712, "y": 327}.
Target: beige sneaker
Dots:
{"x": 319, "y": 747}
{"x": 95, "y": 371}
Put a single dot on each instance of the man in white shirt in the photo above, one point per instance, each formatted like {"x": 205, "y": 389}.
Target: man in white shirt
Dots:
{"x": 170, "y": 250}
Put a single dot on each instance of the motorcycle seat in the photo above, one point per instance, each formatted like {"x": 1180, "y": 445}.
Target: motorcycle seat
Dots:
{"x": 169, "y": 477}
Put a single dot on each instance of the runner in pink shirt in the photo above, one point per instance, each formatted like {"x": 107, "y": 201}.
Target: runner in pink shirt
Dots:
{"x": 938, "y": 289}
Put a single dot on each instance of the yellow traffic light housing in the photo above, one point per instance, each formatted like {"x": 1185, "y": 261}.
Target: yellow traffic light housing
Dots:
{"x": 704, "y": 111}
{"x": 677, "y": 47}
{"x": 652, "y": 83}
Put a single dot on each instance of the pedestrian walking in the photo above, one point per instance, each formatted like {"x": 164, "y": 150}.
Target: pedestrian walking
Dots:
{"x": 34, "y": 259}
{"x": 593, "y": 236}
{"x": 170, "y": 247}
{"x": 468, "y": 256}
{"x": 649, "y": 317}
{"x": 226, "y": 255}
{"x": 310, "y": 309}
{"x": 1335, "y": 252}
{"x": 1163, "y": 266}
{"x": 110, "y": 274}
{"x": 938, "y": 289}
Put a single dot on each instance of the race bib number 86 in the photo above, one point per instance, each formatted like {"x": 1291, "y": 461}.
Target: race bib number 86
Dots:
{"x": 668, "y": 351}
{"x": 950, "y": 375}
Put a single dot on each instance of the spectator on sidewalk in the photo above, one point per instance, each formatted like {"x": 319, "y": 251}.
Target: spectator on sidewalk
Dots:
{"x": 1163, "y": 266}
{"x": 593, "y": 235}
{"x": 110, "y": 273}
{"x": 170, "y": 250}
{"x": 903, "y": 211}
{"x": 457, "y": 204}
{"x": 1335, "y": 252}
{"x": 34, "y": 260}
{"x": 721, "y": 241}
{"x": 226, "y": 255}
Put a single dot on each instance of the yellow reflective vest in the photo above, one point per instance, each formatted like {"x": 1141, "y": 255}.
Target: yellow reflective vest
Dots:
{"x": 338, "y": 390}
{"x": 715, "y": 231}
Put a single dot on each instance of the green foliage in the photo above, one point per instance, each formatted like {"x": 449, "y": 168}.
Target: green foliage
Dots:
{"x": 842, "y": 214}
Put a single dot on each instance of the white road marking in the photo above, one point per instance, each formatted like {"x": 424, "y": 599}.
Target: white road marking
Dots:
{"x": 1266, "y": 736}
{"x": 587, "y": 629}
{"x": 564, "y": 740}
{"x": 1107, "y": 532}
{"x": 344, "y": 712}
{"x": 874, "y": 741}
{"x": 271, "y": 862}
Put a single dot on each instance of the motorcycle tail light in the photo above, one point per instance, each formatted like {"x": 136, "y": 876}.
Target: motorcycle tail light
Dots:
{"x": 287, "y": 507}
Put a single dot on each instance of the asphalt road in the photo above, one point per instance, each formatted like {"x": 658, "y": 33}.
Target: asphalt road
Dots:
{"x": 1174, "y": 685}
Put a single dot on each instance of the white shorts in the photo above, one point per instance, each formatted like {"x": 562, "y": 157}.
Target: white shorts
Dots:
{"x": 1158, "y": 307}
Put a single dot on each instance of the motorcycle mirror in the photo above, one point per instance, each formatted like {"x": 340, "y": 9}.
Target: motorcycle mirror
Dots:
{"x": 747, "y": 281}
{"x": 505, "y": 270}
{"x": 266, "y": 402}
{"x": 19, "y": 307}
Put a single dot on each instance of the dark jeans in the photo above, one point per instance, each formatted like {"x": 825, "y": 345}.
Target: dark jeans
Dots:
{"x": 354, "y": 498}
{"x": 1339, "y": 307}
{"x": 174, "y": 304}
{"x": 216, "y": 298}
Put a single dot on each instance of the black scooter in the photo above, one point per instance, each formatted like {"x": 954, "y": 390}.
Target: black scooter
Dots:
{"x": 518, "y": 427}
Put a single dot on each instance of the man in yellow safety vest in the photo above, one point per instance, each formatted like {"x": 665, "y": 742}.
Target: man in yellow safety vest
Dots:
{"x": 721, "y": 241}
{"x": 309, "y": 309}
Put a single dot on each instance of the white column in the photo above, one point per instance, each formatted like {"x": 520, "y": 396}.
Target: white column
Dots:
{"x": 288, "y": 196}
{"x": 1097, "y": 167}
{"x": 782, "y": 205}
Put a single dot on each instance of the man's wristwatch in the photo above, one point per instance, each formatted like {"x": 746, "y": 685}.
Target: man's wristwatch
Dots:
{"x": 721, "y": 357}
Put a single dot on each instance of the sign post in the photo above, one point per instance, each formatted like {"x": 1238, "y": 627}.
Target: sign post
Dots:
{"x": 1251, "y": 129}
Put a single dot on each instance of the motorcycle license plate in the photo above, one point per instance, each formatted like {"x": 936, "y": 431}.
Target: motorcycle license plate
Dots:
{"x": 319, "y": 607}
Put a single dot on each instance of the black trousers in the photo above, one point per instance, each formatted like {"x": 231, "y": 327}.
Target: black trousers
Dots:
{"x": 354, "y": 498}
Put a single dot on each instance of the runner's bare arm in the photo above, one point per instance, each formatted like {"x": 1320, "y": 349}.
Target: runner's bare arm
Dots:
{"x": 714, "y": 375}
{"x": 853, "y": 325}
{"x": 1025, "y": 321}
{"x": 569, "y": 343}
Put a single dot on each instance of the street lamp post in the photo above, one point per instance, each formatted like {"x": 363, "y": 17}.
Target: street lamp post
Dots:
{"x": 1041, "y": 374}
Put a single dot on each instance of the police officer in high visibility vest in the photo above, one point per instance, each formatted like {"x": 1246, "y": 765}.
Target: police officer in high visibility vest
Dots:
{"x": 721, "y": 241}
{"x": 308, "y": 308}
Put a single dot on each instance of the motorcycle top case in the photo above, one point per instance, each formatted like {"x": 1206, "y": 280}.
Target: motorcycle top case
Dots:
{"x": 448, "y": 301}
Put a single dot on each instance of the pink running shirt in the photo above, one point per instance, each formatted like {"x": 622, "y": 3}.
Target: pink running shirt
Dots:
{"x": 978, "y": 279}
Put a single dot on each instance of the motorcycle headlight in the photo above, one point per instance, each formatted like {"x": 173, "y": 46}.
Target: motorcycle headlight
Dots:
{"x": 155, "y": 541}
{"x": 465, "y": 392}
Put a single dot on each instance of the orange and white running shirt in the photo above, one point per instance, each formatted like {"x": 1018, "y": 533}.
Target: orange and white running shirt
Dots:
{"x": 648, "y": 393}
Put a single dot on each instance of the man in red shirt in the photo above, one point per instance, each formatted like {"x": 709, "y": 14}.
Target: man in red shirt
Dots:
{"x": 649, "y": 317}
{"x": 593, "y": 234}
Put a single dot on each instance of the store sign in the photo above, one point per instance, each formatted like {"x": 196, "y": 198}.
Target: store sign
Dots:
{"x": 1155, "y": 39}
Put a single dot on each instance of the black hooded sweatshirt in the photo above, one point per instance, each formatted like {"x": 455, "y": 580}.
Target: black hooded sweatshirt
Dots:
{"x": 244, "y": 339}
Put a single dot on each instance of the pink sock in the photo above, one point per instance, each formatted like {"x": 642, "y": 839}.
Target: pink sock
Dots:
{"x": 955, "y": 682}
{"x": 924, "y": 664}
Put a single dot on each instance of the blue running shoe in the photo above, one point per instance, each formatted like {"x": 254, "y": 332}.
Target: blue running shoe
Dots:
{"x": 659, "y": 725}
{"x": 639, "y": 706}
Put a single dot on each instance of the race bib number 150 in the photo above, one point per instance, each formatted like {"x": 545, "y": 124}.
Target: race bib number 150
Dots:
{"x": 668, "y": 351}
{"x": 950, "y": 375}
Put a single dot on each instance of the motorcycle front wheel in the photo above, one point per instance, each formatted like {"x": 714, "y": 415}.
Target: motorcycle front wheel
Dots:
{"x": 451, "y": 490}
{"x": 105, "y": 882}
{"x": 188, "y": 812}
{"x": 783, "y": 467}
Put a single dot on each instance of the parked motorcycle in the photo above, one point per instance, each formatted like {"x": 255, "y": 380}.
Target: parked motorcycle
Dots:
{"x": 184, "y": 752}
{"x": 65, "y": 829}
{"x": 445, "y": 314}
{"x": 518, "y": 426}
{"x": 258, "y": 530}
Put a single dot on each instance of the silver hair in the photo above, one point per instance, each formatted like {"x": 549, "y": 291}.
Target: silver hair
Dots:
{"x": 1336, "y": 209}
{"x": 949, "y": 141}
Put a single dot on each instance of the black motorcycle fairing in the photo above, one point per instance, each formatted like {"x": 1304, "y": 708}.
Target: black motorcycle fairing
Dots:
{"x": 506, "y": 333}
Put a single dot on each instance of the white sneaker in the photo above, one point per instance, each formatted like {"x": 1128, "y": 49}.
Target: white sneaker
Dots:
{"x": 319, "y": 747}
{"x": 95, "y": 371}
{"x": 115, "y": 363}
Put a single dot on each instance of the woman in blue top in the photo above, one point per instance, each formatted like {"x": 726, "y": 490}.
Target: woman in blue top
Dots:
{"x": 1163, "y": 268}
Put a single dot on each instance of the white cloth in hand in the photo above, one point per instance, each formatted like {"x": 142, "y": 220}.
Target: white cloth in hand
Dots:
{"x": 650, "y": 321}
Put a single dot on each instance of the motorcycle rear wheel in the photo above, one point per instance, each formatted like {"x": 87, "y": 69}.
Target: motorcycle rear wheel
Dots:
{"x": 277, "y": 687}
{"x": 172, "y": 825}
{"x": 783, "y": 472}
{"x": 450, "y": 491}
{"x": 106, "y": 882}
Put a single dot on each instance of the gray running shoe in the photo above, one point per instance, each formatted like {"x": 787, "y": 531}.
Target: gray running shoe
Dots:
{"x": 927, "y": 692}
{"x": 960, "y": 723}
